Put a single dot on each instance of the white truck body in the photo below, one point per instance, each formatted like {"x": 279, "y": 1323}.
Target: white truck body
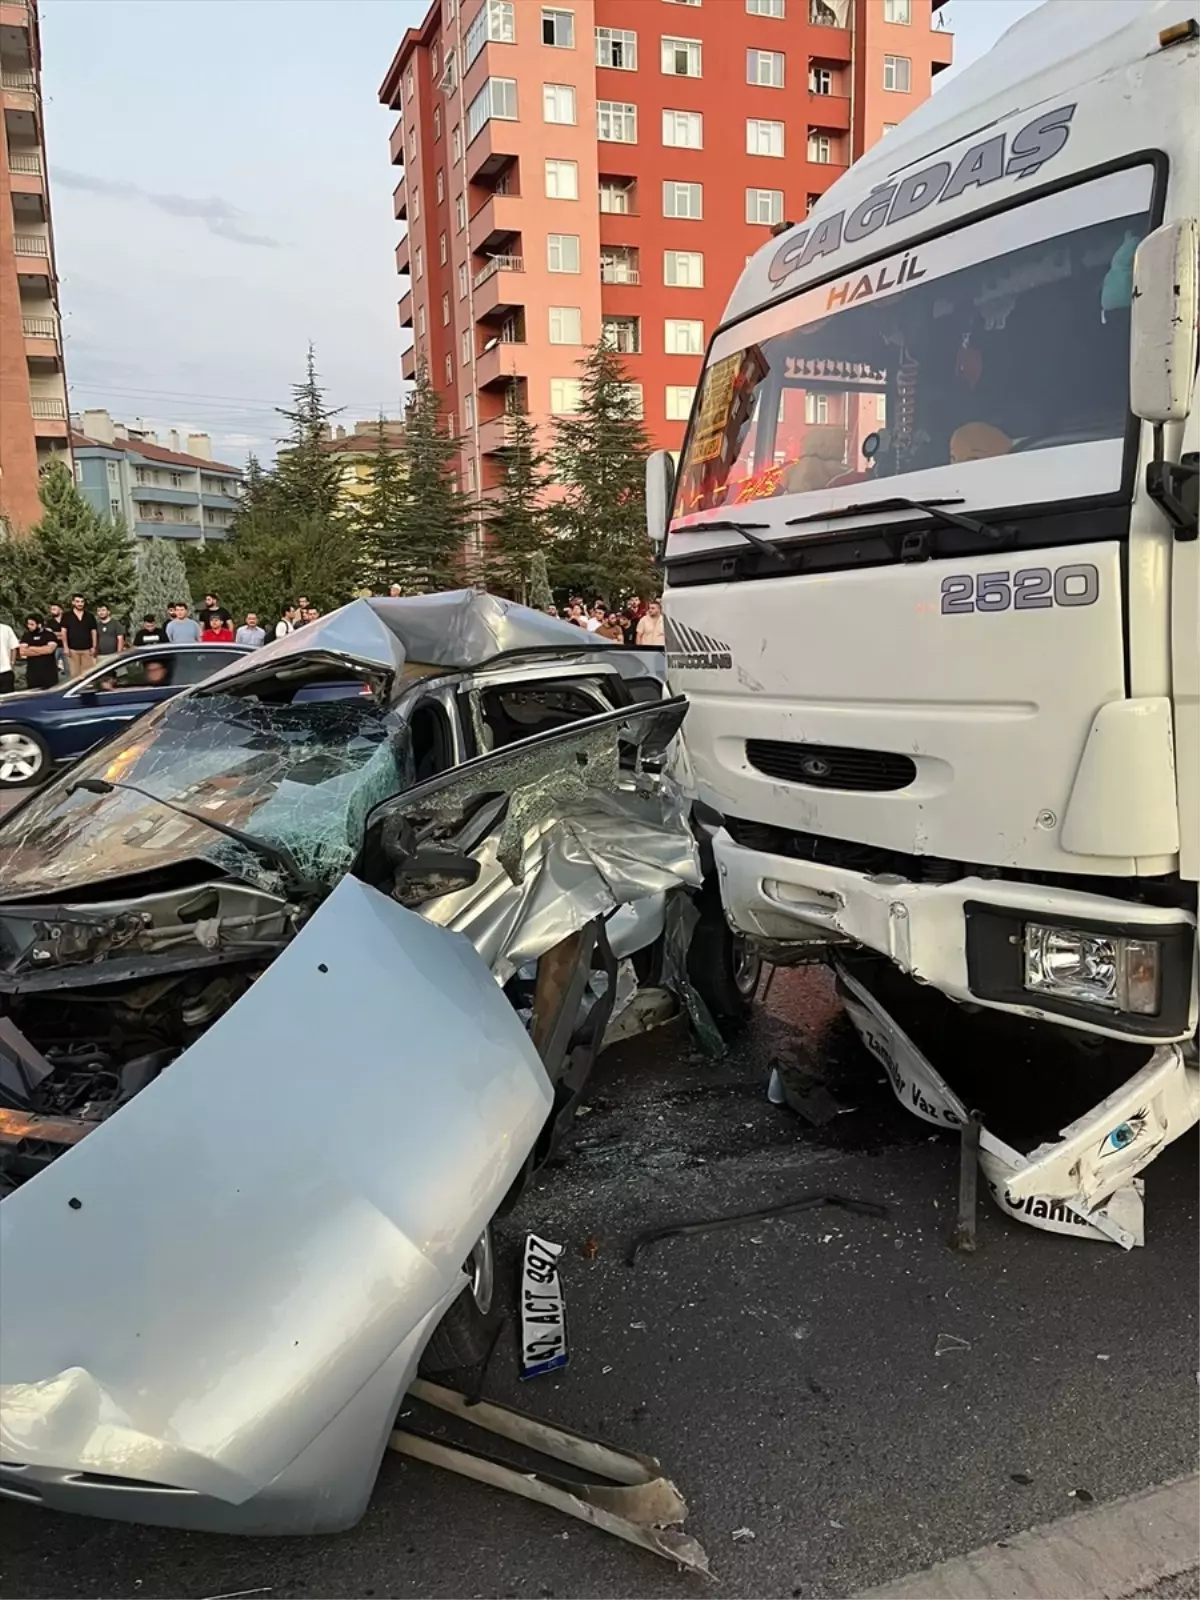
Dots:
{"x": 924, "y": 738}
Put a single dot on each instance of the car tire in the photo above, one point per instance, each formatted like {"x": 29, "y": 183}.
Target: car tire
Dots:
{"x": 24, "y": 756}
{"x": 465, "y": 1335}
{"x": 722, "y": 967}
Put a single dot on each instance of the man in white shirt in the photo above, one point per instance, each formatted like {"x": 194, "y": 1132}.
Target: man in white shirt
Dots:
{"x": 650, "y": 630}
{"x": 250, "y": 633}
{"x": 286, "y": 623}
{"x": 8, "y": 654}
{"x": 594, "y": 618}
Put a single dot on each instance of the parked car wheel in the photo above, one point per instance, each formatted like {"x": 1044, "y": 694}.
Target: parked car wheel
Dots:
{"x": 24, "y": 756}
{"x": 463, "y": 1338}
{"x": 721, "y": 964}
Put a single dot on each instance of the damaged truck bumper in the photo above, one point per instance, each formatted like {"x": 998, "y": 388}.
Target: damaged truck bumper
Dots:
{"x": 215, "y": 1302}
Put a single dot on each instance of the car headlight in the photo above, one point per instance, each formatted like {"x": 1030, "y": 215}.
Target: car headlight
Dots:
{"x": 1097, "y": 969}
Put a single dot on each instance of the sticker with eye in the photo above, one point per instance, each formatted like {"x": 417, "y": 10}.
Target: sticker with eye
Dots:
{"x": 1124, "y": 1134}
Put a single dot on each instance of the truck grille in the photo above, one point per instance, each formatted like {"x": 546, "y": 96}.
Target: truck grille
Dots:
{"x": 830, "y": 766}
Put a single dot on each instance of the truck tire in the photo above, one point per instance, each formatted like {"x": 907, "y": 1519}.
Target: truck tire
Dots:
{"x": 721, "y": 965}
{"x": 464, "y": 1336}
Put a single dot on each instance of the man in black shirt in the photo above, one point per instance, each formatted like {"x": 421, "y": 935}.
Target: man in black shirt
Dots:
{"x": 79, "y": 634}
{"x": 150, "y": 632}
{"x": 39, "y": 648}
{"x": 212, "y": 608}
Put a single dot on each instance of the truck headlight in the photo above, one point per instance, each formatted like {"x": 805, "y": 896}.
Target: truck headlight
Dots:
{"x": 1096, "y": 969}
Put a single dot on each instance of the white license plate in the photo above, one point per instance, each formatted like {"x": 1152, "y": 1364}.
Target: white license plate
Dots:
{"x": 543, "y": 1315}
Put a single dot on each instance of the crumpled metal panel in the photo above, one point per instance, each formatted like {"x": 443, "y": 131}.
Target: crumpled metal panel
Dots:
{"x": 195, "y": 1292}
{"x": 354, "y": 633}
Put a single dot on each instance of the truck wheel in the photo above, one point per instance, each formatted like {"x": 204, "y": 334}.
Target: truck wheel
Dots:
{"x": 463, "y": 1338}
{"x": 721, "y": 964}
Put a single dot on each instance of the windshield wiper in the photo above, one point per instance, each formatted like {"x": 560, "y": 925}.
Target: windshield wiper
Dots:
{"x": 747, "y": 531}
{"x": 277, "y": 855}
{"x": 935, "y": 508}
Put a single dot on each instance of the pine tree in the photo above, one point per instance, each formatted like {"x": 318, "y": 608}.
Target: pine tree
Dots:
{"x": 84, "y": 551}
{"x": 541, "y": 596}
{"x": 380, "y": 510}
{"x": 307, "y": 477}
{"x": 27, "y": 586}
{"x": 600, "y": 458}
{"x": 425, "y": 549}
{"x": 513, "y": 519}
{"x": 161, "y": 580}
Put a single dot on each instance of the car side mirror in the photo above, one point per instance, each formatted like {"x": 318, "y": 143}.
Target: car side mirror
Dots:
{"x": 660, "y": 486}
{"x": 86, "y": 697}
{"x": 1162, "y": 332}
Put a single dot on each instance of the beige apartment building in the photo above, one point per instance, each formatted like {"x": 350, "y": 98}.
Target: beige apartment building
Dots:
{"x": 33, "y": 393}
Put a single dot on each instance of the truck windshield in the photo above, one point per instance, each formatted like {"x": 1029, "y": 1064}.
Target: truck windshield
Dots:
{"x": 1008, "y": 336}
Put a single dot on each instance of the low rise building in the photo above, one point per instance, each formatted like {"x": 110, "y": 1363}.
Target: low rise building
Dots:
{"x": 158, "y": 491}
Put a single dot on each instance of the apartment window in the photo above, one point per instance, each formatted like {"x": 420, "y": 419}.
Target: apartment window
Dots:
{"x": 462, "y": 280}
{"x": 683, "y": 130}
{"x": 683, "y": 269}
{"x": 456, "y": 142}
{"x": 810, "y": 202}
{"x": 616, "y": 195}
{"x": 451, "y": 9}
{"x": 409, "y": 86}
{"x": 449, "y": 369}
{"x": 469, "y": 475}
{"x": 112, "y": 472}
{"x": 441, "y": 187}
{"x": 442, "y": 248}
{"x": 460, "y": 212}
{"x": 562, "y": 180}
{"x": 683, "y": 2}
{"x": 679, "y": 401}
{"x": 562, "y": 252}
{"x": 493, "y": 23}
{"x": 616, "y": 122}
{"x": 766, "y": 8}
{"x": 683, "y": 200}
{"x": 468, "y": 411}
{"x": 764, "y": 205}
{"x": 820, "y": 80}
{"x": 558, "y": 28}
{"x": 616, "y": 47}
{"x": 434, "y": 60}
{"x": 820, "y": 148}
{"x": 445, "y": 309}
{"x": 412, "y": 144}
{"x": 512, "y": 329}
{"x": 419, "y": 263}
{"x": 765, "y": 67}
{"x": 897, "y": 73}
{"x": 683, "y": 337}
{"x": 416, "y": 204}
{"x": 464, "y": 345}
{"x": 565, "y": 325}
{"x": 816, "y": 408}
{"x": 558, "y": 102}
{"x": 763, "y": 138}
{"x": 565, "y": 396}
{"x": 897, "y": 11}
{"x": 623, "y": 334}
{"x": 681, "y": 58}
{"x": 421, "y": 321}
{"x": 497, "y": 98}
{"x": 619, "y": 263}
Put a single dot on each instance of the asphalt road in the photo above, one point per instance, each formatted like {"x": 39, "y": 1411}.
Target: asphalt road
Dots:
{"x": 785, "y": 1372}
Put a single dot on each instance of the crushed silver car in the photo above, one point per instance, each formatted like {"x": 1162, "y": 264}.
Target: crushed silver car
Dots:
{"x": 294, "y": 995}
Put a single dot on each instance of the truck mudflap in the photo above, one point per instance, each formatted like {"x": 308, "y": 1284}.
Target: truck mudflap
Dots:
{"x": 1085, "y": 1183}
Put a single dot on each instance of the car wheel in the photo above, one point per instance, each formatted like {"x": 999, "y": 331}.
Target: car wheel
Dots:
{"x": 466, "y": 1333}
{"x": 721, "y": 964}
{"x": 24, "y": 757}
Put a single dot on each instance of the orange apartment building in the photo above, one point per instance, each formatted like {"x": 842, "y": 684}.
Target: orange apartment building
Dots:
{"x": 33, "y": 393}
{"x": 605, "y": 167}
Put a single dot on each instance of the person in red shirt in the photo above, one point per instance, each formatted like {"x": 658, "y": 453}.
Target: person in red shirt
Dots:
{"x": 217, "y": 631}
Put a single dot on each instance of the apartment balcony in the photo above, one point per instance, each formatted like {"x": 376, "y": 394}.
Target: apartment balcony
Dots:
{"x": 408, "y": 363}
{"x": 942, "y": 52}
{"x": 28, "y": 185}
{"x": 49, "y": 417}
{"x": 505, "y": 360}
{"x": 19, "y": 95}
{"x": 152, "y": 528}
{"x": 152, "y": 492}
{"x": 497, "y": 435}
{"x": 396, "y": 143}
{"x": 495, "y": 225}
{"x": 403, "y": 254}
{"x": 31, "y": 245}
{"x": 499, "y": 286}
{"x": 829, "y": 112}
{"x": 14, "y": 14}
{"x": 828, "y": 41}
{"x": 220, "y": 502}
{"x": 42, "y": 343}
{"x": 405, "y": 310}
{"x": 492, "y": 148}
{"x": 400, "y": 201}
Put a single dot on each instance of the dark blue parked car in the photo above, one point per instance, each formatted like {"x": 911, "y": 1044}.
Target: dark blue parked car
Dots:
{"x": 44, "y": 728}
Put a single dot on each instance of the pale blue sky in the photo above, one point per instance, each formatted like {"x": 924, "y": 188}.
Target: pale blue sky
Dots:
{"x": 222, "y": 195}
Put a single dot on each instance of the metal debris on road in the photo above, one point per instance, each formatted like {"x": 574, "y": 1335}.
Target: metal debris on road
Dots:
{"x": 734, "y": 1219}
{"x": 946, "y": 1342}
{"x": 636, "y": 1503}
{"x": 742, "y": 1535}
{"x": 963, "y": 1237}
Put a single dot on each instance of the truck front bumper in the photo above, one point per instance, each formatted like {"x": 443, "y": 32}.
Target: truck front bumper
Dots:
{"x": 963, "y": 938}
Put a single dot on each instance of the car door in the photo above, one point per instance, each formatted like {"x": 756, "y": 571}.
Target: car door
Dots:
{"x": 103, "y": 703}
{"x": 498, "y": 709}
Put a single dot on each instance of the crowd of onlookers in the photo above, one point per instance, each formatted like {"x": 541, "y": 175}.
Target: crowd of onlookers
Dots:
{"x": 68, "y": 642}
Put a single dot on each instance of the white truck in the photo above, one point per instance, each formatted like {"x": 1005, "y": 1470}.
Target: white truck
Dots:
{"x": 931, "y": 581}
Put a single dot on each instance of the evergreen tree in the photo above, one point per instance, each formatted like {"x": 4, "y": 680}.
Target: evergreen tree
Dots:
{"x": 513, "y": 519}
{"x": 274, "y": 556}
{"x": 84, "y": 552}
{"x": 600, "y": 458}
{"x": 379, "y": 512}
{"x": 425, "y": 548}
{"x": 162, "y": 578}
{"x": 541, "y": 596}
{"x": 27, "y": 586}
{"x": 306, "y": 480}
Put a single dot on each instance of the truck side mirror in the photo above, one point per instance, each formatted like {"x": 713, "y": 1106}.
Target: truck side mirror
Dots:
{"x": 1162, "y": 362}
{"x": 660, "y": 486}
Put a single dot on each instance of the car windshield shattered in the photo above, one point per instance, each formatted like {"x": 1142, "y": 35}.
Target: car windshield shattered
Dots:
{"x": 301, "y": 775}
